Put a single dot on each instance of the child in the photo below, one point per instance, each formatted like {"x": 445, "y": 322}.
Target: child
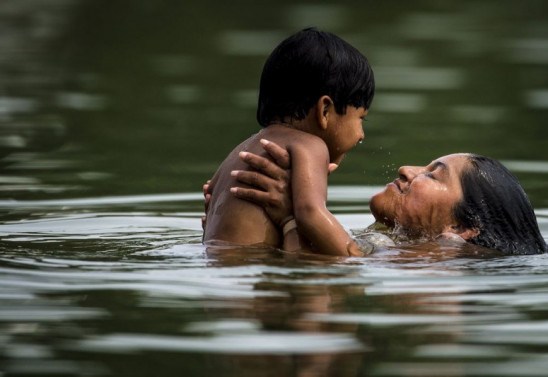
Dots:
{"x": 314, "y": 93}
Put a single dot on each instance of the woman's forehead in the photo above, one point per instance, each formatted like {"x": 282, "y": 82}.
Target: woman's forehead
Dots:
{"x": 451, "y": 159}
{"x": 452, "y": 164}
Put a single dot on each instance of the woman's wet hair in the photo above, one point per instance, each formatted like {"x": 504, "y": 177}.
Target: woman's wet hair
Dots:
{"x": 495, "y": 204}
{"x": 308, "y": 65}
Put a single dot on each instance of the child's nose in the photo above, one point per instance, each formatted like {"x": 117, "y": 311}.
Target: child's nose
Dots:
{"x": 361, "y": 136}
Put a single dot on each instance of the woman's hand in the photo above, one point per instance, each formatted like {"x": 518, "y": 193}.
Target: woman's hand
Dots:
{"x": 271, "y": 182}
{"x": 207, "y": 199}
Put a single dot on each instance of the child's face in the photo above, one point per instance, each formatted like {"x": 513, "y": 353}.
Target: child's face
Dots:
{"x": 344, "y": 132}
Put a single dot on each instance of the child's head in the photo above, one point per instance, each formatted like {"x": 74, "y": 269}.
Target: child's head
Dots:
{"x": 308, "y": 65}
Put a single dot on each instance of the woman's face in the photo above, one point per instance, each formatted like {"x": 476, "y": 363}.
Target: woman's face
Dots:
{"x": 421, "y": 200}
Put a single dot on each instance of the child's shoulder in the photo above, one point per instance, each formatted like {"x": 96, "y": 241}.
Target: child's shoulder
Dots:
{"x": 306, "y": 141}
{"x": 292, "y": 138}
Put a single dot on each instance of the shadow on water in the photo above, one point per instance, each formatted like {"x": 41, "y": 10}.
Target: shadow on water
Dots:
{"x": 107, "y": 106}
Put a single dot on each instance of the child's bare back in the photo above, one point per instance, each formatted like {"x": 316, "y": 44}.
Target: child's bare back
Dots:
{"x": 236, "y": 221}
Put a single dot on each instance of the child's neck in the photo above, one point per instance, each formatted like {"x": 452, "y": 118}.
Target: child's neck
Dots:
{"x": 304, "y": 125}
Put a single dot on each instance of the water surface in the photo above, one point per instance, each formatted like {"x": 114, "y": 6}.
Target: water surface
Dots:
{"x": 113, "y": 114}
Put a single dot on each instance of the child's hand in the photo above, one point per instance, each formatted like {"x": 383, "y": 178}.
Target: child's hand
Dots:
{"x": 271, "y": 182}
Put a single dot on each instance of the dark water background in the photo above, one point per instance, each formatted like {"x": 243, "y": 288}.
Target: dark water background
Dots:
{"x": 113, "y": 114}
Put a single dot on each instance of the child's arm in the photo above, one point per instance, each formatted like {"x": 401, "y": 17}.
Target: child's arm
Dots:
{"x": 310, "y": 163}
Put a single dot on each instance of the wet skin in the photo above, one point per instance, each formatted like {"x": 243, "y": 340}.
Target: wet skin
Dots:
{"x": 422, "y": 199}
{"x": 322, "y": 138}
{"x": 346, "y": 133}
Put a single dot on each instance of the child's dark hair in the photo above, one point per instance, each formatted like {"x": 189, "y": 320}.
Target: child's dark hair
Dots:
{"x": 308, "y": 65}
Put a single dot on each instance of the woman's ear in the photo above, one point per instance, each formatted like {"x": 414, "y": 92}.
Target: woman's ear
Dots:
{"x": 464, "y": 233}
{"x": 324, "y": 107}
{"x": 468, "y": 234}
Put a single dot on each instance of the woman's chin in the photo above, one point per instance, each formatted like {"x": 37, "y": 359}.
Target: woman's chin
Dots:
{"x": 380, "y": 206}
{"x": 379, "y": 202}
{"x": 381, "y": 216}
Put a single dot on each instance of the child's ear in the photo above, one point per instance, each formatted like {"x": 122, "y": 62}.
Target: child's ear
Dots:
{"x": 324, "y": 107}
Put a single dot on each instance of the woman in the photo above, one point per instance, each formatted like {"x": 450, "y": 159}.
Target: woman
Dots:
{"x": 463, "y": 196}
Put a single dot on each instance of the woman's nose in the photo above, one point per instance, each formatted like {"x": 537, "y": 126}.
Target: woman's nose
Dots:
{"x": 407, "y": 173}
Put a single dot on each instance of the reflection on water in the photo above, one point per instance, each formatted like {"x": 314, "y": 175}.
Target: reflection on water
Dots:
{"x": 107, "y": 106}
{"x": 90, "y": 285}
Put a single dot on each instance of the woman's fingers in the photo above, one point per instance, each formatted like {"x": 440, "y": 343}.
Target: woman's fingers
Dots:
{"x": 253, "y": 178}
{"x": 264, "y": 165}
{"x": 269, "y": 179}
{"x": 207, "y": 195}
{"x": 207, "y": 199}
{"x": 279, "y": 154}
{"x": 258, "y": 197}
{"x": 205, "y": 187}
